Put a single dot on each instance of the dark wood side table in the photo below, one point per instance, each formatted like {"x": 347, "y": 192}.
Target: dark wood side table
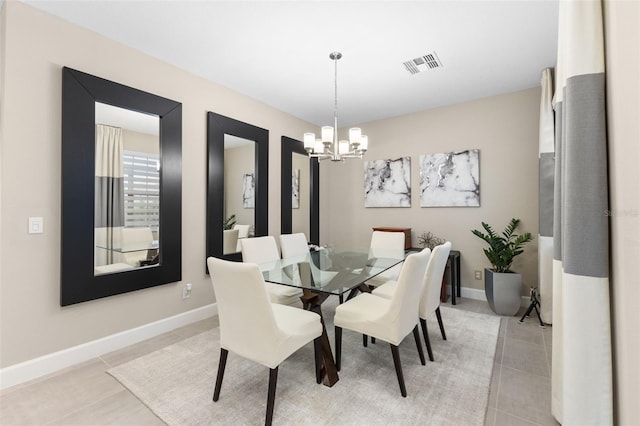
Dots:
{"x": 451, "y": 277}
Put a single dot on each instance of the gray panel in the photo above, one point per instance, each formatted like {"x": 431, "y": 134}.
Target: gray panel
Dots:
{"x": 557, "y": 190}
{"x": 546, "y": 170}
{"x": 585, "y": 223}
{"x": 109, "y": 215}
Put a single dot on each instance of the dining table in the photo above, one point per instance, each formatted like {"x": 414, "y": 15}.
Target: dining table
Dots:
{"x": 330, "y": 271}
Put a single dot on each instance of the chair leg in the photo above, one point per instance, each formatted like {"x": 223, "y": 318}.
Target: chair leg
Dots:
{"x": 396, "y": 361}
{"x": 317, "y": 348}
{"x": 341, "y": 299}
{"x": 338, "y": 332}
{"x": 416, "y": 336}
{"x": 444, "y": 336}
{"x": 271, "y": 397}
{"x": 221, "y": 365}
{"x": 365, "y": 339}
{"x": 423, "y": 323}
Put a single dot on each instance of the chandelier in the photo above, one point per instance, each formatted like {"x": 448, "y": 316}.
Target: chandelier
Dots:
{"x": 328, "y": 146}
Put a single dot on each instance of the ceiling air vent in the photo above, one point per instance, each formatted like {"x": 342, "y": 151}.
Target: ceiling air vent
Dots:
{"x": 423, "y": 63}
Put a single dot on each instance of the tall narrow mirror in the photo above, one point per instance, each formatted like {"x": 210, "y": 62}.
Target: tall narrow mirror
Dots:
{"x": 98, "y": 207}
{"x": 300, "y": 191}
{"x": 237, "y": 184}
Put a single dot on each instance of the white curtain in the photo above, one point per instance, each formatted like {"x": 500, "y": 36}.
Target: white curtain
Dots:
{"x": 546, "y": 168}
{"x": 109, "y": 193}
{"x": 582, "y": 364}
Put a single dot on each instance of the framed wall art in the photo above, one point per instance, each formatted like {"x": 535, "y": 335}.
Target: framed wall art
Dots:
{"x": 248, "y": 191}
{"x": 295, "y": 189}
{"x": 450, "y": 179}
{"x": 387, "y": 183}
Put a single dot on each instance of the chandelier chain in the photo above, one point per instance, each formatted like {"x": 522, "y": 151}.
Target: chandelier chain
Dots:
{"x": 335, "y": 97}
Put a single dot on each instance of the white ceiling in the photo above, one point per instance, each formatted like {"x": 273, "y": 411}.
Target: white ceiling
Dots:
{"x": 278, "y": 52}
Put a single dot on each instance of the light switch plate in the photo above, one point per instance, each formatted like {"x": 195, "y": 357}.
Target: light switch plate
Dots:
{"x": 36, "y": 225}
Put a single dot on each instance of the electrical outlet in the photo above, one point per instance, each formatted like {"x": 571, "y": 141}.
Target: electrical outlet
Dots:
{"x": 478, "y": 275}
{"x": 36, "y": 225}
{"x": 186, "y": 291}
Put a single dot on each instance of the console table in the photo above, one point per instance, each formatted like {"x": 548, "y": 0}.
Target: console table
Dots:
{"x": 451, "y": 277}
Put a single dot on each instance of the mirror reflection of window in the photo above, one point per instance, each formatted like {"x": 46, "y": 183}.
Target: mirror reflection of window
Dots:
{"x": 127, "y": 195}
{"x": 300, "y": 215}
{"x": 239, "y": 185}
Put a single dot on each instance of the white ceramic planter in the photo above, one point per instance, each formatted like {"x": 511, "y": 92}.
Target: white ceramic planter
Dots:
{"x": 503, "y": 291}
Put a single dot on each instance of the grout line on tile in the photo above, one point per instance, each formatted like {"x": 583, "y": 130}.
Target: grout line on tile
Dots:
{"x": 517, "y": 417}
{"x": 546, "y": 356}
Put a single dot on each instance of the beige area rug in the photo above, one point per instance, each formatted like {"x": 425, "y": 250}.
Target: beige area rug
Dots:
{"x": 177, "y": 382}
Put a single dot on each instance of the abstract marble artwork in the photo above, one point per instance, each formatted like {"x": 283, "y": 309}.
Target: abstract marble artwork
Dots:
{"x": 450, "y": 179}
{"x": 387, "y": 183}
{"x": 248, "y": 191}
{"x": 295, "y": 189}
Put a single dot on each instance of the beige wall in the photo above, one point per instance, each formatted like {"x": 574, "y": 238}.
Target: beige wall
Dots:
{"x": 140, "y": 142}
{"x": 622, "y": 45}
{"x": 504, "y": 129}
{"x": 36, "y": 47}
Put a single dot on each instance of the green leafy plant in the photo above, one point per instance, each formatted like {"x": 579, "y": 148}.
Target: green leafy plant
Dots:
{"x": 229, "y": 222}
{"x": 503, "y": 248}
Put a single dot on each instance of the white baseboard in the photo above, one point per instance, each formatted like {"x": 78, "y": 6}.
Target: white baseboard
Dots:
{"x": 477, "y": 294}
{"x": 50, "y": 363}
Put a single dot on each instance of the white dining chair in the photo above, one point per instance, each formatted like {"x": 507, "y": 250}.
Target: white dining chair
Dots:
{"x": 230, "y": 241}
{"x": 430, "y": 298}
{"x": 136, "y": 237}
{"x": 243, "y": 232}
{"x": 390, "y": 320}
{"x": 254, "y": 328}
{"x": 262, "y": 250}
{"x": 294, "y": 245}
{"x": 381, "y": 243}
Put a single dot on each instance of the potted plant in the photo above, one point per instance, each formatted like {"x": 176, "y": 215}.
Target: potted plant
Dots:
{"x": 501, "y": 284}
{"x": 229, "y": 222}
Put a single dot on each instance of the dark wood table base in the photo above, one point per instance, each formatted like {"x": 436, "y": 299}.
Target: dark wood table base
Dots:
{"x": 311, "y": 302}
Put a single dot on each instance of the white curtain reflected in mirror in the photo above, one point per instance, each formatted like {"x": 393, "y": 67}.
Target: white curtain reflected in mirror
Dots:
{"x": 300, "y": 193}
{"x": 239, "y": 186}
{"x": 127, "y": 189}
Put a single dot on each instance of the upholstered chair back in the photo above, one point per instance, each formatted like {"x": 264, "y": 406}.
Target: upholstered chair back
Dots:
{"x": 259, "y": 249}
{"x": 403, "y": 311}
{"x": 247, "y": 322}
{"x": 294, "y": 245}
{"x": 430, "y": 299}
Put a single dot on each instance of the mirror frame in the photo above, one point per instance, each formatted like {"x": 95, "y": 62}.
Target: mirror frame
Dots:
{"x": 78, "y": 283}
{"x": 217, "y": 126}
{"x": 289, "y": 147}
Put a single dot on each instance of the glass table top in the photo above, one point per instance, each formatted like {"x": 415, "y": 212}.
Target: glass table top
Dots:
{"x": 131, "y": 247}
{"x": 331, "y": 270}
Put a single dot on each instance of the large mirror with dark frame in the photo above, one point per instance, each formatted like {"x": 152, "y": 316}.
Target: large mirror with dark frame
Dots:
{"x": 237, "y": 184}
{"x": 121, "y": 189}
{"x": 300, "y": 199}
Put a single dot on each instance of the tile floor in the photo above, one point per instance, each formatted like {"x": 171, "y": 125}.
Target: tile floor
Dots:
{"x": 85, "y": 395}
